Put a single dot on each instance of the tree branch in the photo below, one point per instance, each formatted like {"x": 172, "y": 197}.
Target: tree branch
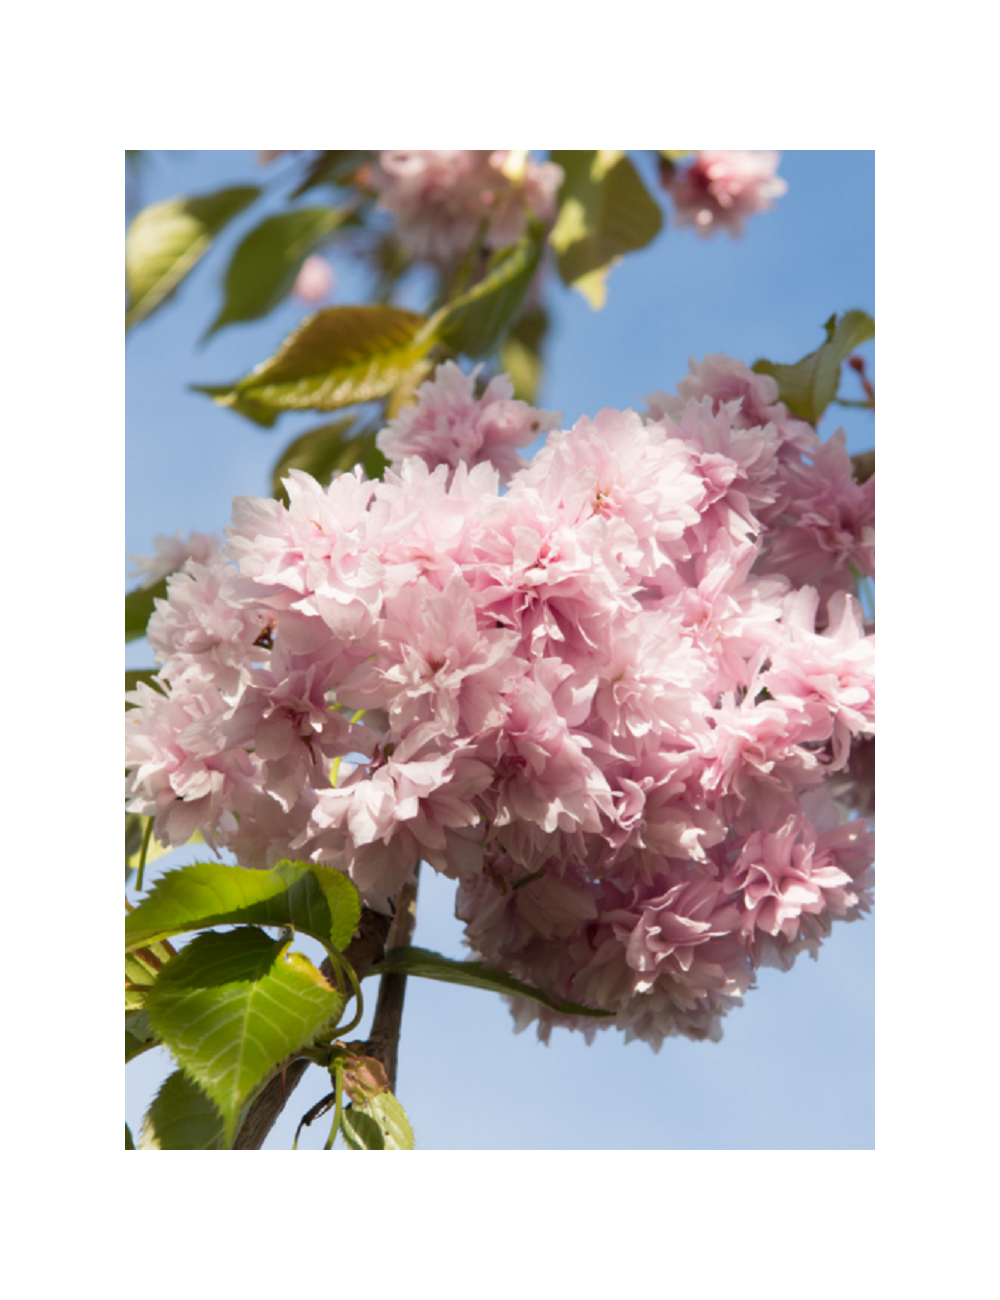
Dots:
{"x": 383, "y": 1041}
{"x": 364, "y": 950}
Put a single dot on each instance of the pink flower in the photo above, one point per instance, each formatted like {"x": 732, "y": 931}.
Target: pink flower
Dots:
{"x": 826, "y": 527}
{"x": 579, "y": 697}
{"x": 314, "y": 282}
{"x": 171, "y": 555}
{"x": 449, "y": 425}
{"x": 722, "y": 187}
{"x": 444, "y": 199}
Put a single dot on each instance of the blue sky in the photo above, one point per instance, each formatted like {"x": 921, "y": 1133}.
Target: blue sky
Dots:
{"x": 795, "y": 1069}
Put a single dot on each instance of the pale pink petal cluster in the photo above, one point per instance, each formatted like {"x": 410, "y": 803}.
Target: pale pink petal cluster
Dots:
{"x": 171, "y": 553}
{"x": 720, "y": 188}
{"x": 596, "y": 699}
{"x": 446, "y": 200}
{"x": 449, "y": 425}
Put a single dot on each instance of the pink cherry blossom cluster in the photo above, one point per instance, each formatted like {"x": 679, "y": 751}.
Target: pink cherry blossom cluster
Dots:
{"x": 720, "y": 188}
{"x": 595, "y": 699}
{"x": 444, "y": 199}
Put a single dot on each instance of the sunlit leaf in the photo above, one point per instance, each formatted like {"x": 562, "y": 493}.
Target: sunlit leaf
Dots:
{"x": 307, "y": 896}
{"x": 232, "y": 1006}
{"x": 181, "y": 1118}
{"x": 809, "y": 386}
{"x": 385, "y": 1110}
{"x": 265, "y": 264}
{"x": 473, "y": 974}
{"x": 336, "y": 357}
{"x": 605, "y": 211}
{"x": 167, "y": 239}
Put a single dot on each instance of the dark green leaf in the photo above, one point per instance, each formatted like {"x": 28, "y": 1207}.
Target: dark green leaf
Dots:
{"x": 135, "y": 828}
{"x": 605, "y": 211}
{"x": 863, "y": 465}
{"x": 139, "y": 607}
{"x": 314, "y": 899}
{"x": 809, "y": 386}
{"x": 231, "y": 1007}
{"x": 362, "y": 1132}
{"x": 133, "y": 676}
{"x": 167, "y": 239}
{"x": 129, "y": 1144}
{"x": 432, "y": 966}
{"x": 181, "y": 1118}
{"x": 139, "y": 1035}
{"x": 332, "y": 167}
{"x": 339, "y": 356}
{"x": 477, "y": 321}
{"x": 323, "y": 451}
{"x": 265, "y": 264}
{"x": 521, "y": 354}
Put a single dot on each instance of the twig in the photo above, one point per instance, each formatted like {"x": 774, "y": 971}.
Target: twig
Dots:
{"x": 383, "y": 1042}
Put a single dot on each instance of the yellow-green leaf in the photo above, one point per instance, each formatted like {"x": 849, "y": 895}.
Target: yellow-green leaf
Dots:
{"x": 307, "y": 896}
{"x": 166, "y": 240}
{"x": 336, "y": 357}
{"x": 809, "y": 386}
{"x": 231, "y": 1007}
{"x": 605, "y": 211}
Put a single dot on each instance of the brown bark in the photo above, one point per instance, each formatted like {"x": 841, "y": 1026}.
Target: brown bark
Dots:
{"x": 383, "y": 1041}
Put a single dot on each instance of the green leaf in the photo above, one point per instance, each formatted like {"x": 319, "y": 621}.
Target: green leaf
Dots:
{"x": 473, "y": 974}
{"x": 605, "y": 211}
{"x": 231, "y": 1007}
{"x": 129, "y": 1144}
{"x": 809, "y": 386}
{"x": 138, "y": 609}
{"x": 139, "y": 1035}
{"x": 863, "y": 465}
{"x": 133, "y": 676}
{"x": 521, "y": 353}
{"x": 141, "y": 969}
{"x": 224, "y": 395}
{"x": 388, "y": 1114}
{"x": 155, "y": 849}
{"x": 332, "y": 167}
{"x": 314, "y": 899}
{"x": 362, "y": 1132}
{"x": 336, "y": 357}
{"x": 323, "y": 451}
{"x": 265, "y": 264}
{"x": 477, "y": 321}
{"x": 166, "y": 240}
{"x": 181, "y": 1118}
{"x": 135, "y": 828}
